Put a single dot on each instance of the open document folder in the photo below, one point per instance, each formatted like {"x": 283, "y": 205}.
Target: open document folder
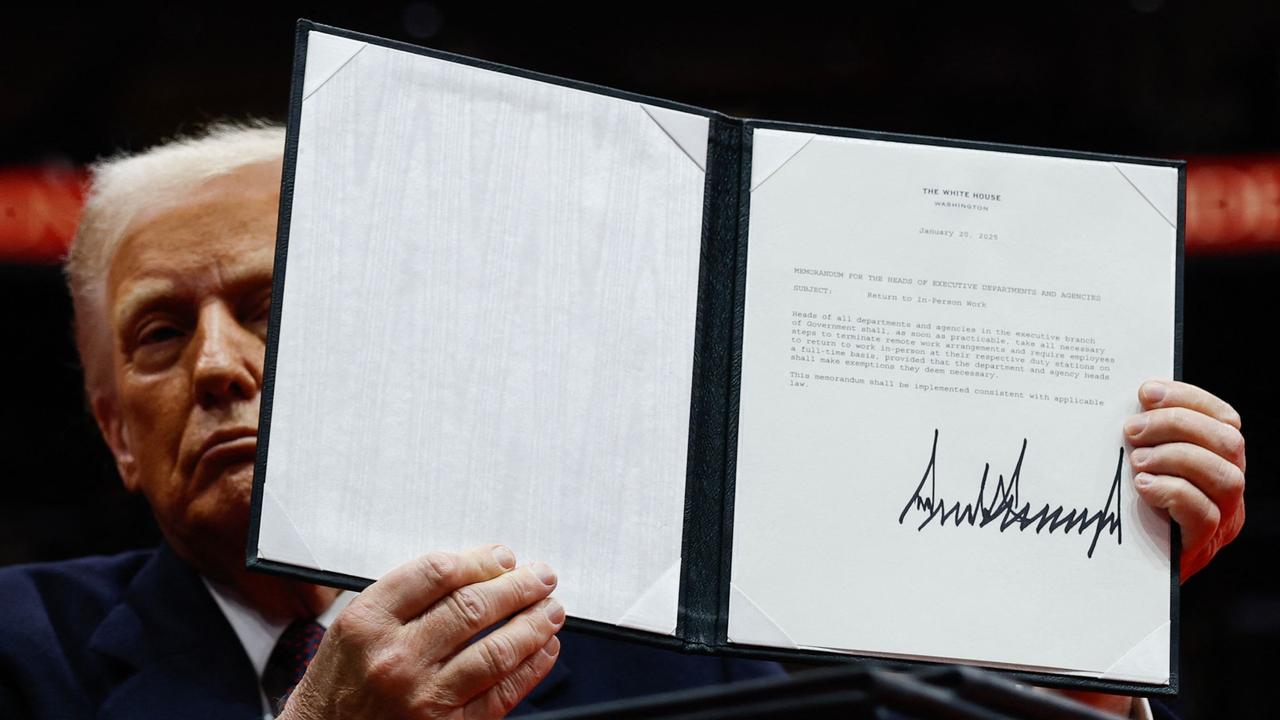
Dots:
{"x": 750, "y": 387}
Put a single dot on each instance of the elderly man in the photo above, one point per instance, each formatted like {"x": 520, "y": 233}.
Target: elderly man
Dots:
{"x": 171, "y": 276}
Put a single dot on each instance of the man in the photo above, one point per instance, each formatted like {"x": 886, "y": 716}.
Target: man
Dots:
{"x": 170, "y": 274}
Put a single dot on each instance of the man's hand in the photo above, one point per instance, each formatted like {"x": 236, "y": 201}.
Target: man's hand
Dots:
{"x": 1188, "y": 459}
{"x": 400, "y": 650}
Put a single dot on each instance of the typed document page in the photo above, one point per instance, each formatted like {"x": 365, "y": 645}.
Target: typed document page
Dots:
{"x": 940, "y": 348}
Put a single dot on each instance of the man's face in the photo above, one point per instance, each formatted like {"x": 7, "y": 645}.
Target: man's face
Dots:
{"x": 187, "y": 299}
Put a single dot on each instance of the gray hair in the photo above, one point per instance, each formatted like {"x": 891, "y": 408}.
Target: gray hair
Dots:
{"x": 125, "y": 186}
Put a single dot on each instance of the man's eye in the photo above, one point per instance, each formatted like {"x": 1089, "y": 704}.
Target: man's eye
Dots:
{"x": 156, "y": 334}
{"x": 258, "y": 316}
{"x": 262, "y": 310}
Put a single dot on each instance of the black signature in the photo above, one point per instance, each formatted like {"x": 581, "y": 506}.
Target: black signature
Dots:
{"x": 1004, "y": 505}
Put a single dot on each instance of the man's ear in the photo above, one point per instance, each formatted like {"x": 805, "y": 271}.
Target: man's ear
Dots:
{"x": 106, "y": 411}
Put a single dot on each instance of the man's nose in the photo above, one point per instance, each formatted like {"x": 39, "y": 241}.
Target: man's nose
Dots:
{"x": 228, "y": 363}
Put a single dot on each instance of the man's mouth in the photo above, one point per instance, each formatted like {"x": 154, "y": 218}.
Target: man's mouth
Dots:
{"x": 228, "y": 446}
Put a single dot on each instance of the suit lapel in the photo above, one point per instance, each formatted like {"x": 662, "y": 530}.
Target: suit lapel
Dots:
{"x": 178, "y": 656}
{"x": 176, "y": 653}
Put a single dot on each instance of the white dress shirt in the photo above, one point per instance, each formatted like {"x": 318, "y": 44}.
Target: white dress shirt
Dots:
{"x": 259, "y": 634}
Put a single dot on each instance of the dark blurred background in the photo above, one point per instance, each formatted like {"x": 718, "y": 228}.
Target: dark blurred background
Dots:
{"x": 1143, "y": 77}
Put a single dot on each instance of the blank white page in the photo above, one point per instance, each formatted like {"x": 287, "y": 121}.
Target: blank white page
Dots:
{"x": 487, "y": 330}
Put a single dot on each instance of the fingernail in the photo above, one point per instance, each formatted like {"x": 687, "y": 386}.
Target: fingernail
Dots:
{"x": 1142, "y": 480}
{"x": 1153, "y": 392}
{"x": 505, "y": 557}
{"x": 1135, "y": 425}
{"x": 544, "y": 573}
{"x": 552, "y": 647}
{"x": 1140, "y": 456}
{"x": 554, "y": 611}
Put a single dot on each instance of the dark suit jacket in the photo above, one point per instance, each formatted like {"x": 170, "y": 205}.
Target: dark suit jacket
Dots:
{"x": 137, "y": 635}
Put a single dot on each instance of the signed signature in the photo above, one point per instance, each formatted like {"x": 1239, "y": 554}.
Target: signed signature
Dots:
{"x": 1005, "y": 507}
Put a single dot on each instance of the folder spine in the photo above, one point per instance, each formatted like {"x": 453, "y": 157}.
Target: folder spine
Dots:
{"x": 705, "y": 544}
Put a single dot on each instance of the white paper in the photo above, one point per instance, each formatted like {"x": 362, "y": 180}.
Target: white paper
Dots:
{"x": 858, "y": 249}
{"x": 488, "y": 326}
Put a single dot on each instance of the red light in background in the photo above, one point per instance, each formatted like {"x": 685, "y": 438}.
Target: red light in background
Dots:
{"x": 39, "y": 209}
{"x": 1233, "y": 205}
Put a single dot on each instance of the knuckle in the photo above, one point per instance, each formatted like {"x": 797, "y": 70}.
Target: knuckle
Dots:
{"x": 1237, "y": 522}
{"x": 1231, "y": 478}
{"x": 468, "y": 604}
{"x": 538, "y": 622}
{"x": 507, "y": 693}
{"x": 525, "y": 587}
{"x": 498, "y": 653}
{"x": 1235, "y": 445}
{"x": 349, "y": 623}
{"x": 1231, "y": 416}
{"x": 436, "y": 567}
{"x": 1167, "y": 494}
{"x": 1157, "y": 491}
{"x": 1212, "y": 515}
{"x": 390, "y": 668}
{"x": 1218, "y": 473}
{"x": 362, "y": 616}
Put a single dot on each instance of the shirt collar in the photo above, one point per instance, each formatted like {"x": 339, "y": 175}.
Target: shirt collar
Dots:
{"x": 258, "y": 633}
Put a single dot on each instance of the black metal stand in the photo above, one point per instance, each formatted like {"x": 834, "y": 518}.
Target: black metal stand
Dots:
{"x": 857, "y": 691}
